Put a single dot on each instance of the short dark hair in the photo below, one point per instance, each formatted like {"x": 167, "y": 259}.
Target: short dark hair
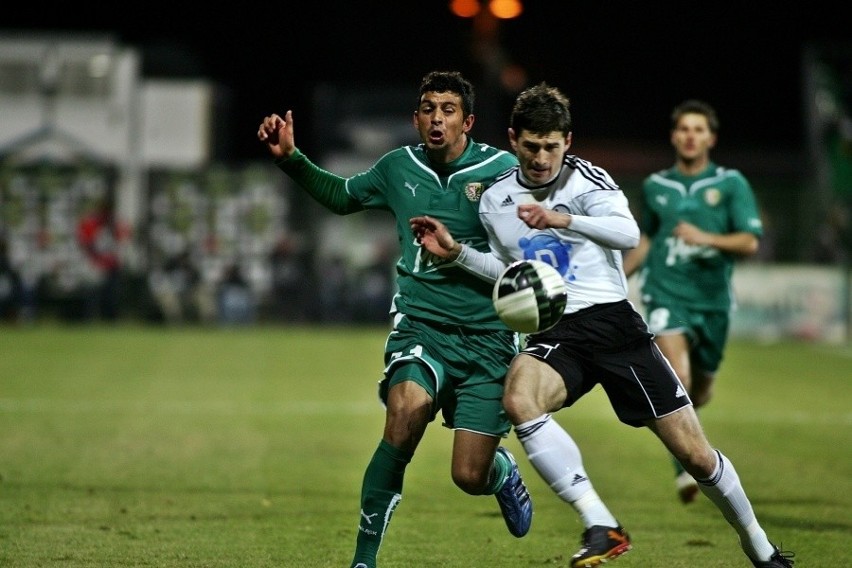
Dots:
{"x": 541, "y": 109}
{"x": 695, "y": 106}
{"x": 449, "y": 82}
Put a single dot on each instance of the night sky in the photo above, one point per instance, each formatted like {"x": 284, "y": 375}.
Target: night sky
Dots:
{"x": 624, "y": 67}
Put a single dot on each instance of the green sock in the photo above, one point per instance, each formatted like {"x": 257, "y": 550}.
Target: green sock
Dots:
{"x": 381, "y": 492}
{"x": 678, "y": 468}
{"x": 499, "y": 473}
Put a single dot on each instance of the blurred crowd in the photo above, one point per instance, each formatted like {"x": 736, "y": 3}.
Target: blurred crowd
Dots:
{"x": 303, "y": 288}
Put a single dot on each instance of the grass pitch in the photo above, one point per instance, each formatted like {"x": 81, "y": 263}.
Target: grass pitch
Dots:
{"x": 133, "y": 446}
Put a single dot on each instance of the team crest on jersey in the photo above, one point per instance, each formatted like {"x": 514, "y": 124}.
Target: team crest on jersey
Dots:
{"x": 712, "y": 197}
{"x": 473, "y": 191}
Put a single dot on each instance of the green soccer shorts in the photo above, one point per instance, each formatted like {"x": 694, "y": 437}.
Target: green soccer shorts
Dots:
{"x": 463, "y": 370}
{"x": 707, "y": 332}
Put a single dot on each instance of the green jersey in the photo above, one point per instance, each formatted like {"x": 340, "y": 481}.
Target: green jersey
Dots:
{"x": 718, "y": 200}
{"x": 407, "y": 184}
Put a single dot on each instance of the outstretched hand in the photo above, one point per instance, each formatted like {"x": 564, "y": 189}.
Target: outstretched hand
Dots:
{"x": 278, "y": 135}
{"x": 434, "y": 237}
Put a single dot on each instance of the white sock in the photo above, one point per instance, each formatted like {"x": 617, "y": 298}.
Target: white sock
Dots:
{"x": 725, "y": 490}
{"x": 556, "y": 457}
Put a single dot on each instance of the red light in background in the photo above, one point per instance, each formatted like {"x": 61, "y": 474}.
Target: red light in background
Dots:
{"x": 465, "y": 8}
{"x": 501, "y": 9}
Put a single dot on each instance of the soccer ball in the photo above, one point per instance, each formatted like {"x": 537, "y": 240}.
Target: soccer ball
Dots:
{"x": 530, "y": 296}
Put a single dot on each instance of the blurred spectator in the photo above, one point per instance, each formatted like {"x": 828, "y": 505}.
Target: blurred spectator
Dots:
{"x": 334, "y": 290}
{"x": 374, "y": 288}
{"x": 832, "y": 244}
{"x": 100, "y": 235}
{"x": 11, "y": 287}
{"x": 235, "y": 298}
{"x": 769, "y": 241}
{"x": 181, "y": 293}
{"x": 291, "y": 280}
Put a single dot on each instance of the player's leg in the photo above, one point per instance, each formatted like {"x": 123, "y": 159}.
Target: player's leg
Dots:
{"x": 706, "y": 339}
{"x": 557, "y": 459}
{"x": 473, "y": 468}
{"x": 711, "y": 332}
{"x": 674, "y": 344}
{"x": 475, "y": 413}
{"x": 408, "y": 412}
{"x": 675, "y": 348}
{"x": 533, "y": 390}
{"x": 682, "y": 434}
{"x": 702, "y": 385}
{"x": 644, "y": 389}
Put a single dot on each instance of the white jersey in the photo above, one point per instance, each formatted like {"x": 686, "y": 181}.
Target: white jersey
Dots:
{"x": 587, "y": 254}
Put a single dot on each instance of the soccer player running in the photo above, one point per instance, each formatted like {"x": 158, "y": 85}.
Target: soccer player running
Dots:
{"x": 563, "y": 210}
{"x": 697, "y": 218}
{"x": 448, "y": 350}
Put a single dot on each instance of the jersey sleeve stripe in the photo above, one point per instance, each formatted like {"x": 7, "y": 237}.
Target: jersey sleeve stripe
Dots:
{"x": 591, "y": 173}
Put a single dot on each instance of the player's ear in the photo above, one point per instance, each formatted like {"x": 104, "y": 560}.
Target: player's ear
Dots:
{"x": 514, "y": 140}
{"x": 568, "y": 138}
{"x": 468, "y": 123}
{"x": 712, "y": 143}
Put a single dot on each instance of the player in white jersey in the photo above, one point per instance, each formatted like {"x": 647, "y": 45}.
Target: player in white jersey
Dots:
{"x": 561, "y": 209}
{"x": 591, "y": 271}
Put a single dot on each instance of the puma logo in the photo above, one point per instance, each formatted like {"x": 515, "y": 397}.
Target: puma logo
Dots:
{"x": 368, "y": 518}
{"x": 412, "y": 188}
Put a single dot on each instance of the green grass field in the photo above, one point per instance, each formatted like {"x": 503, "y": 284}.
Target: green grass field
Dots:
{"x": 136, "y": 446}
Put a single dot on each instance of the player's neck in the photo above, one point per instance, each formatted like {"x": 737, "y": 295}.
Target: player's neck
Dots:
{"x": 448, "y": 154}
{"x": 693, "y": 166}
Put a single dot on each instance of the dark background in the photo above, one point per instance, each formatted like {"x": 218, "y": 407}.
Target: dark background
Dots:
{"x": 624, "y": 64}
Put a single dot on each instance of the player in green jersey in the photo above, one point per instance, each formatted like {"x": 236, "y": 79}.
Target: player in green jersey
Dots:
{"x": 447, "y": 350}
{"x": 697, "y": 219}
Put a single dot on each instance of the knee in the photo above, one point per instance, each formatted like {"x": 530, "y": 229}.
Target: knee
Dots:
{"x": 682, "y": 434}
{"x": 699, "y": 461}
{"x": 522, "y": 405}
{"x": 470, "y": 480}
{"x": 405, "y": 433}
{"x": 701, "y": 397}
{"x": 514, "y": 403}
{"x": 701, "y": 389}
{"x": 406, "y": 422}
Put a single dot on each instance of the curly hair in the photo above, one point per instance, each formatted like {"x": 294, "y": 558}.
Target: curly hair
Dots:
{"x": 449, "y": 82}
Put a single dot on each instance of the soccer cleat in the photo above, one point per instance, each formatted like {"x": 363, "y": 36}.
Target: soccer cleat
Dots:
{"x": 601, "y": 544}
{"x": 687, "y": 488}
{"x": 779, "y": 559}
{"x": 514, "y": 499}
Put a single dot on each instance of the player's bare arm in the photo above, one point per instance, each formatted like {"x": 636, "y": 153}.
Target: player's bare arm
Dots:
{"x": 277, "y": 133}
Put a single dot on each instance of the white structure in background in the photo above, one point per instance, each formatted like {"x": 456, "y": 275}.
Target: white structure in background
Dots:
{"x": 65, "y": 98}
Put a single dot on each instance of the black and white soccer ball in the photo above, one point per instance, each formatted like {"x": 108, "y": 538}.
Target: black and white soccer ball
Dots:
{"x": 530, "y": 296}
